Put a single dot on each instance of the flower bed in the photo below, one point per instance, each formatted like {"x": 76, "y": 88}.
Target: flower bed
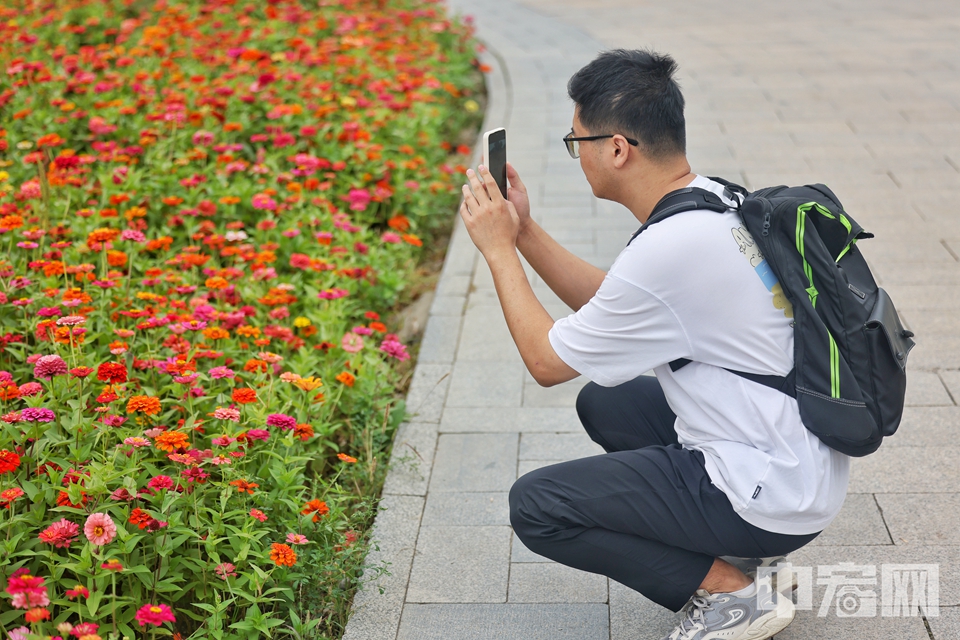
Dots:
{"x": 208, "y": 212}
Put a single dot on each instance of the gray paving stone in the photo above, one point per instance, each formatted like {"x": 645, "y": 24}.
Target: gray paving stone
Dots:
{"x": 474, "y": 462}
{"x": 509, "y": 420}
{"x": 466, "y": 509}
{"x": 460, "y": 564}
{"x": 505, "y": 622}
{"x": 561, "y": 395}
{"x": 486, "y": 384}
{"x": 412, "y": 459}
{"x": 922, "y": 518}
{"x": 926, "y": 427}
{"x": 552, "y": 582}
{"x": 946, "y": 558}
{"x": 926, "y": 389}
{"x": 557, "y": 446}
{"x": 520, "y": 553}
{"x": 439, "y": 344}
{"x": 448, "y": 305}
{"x": 946, "y": 626}
{"x": 485, "y": 337}
{"x": 859, "y": 523}
{"x": 906, "y": 470}
{"x": 633, "y": 616}
{"x": 526, "y": 466}
{"x": 951, "y": 379}
{"x": 374, "y": 614}
{"x": 428, "y": 390}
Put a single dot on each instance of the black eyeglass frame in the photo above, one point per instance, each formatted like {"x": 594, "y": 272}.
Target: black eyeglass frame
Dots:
{"x": 574, "y": 149}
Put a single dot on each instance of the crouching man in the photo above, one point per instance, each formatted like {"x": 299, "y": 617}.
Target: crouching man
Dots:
{"x": 701, "y": 463}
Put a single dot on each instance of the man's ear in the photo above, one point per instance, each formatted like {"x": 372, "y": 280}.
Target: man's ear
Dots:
{"x": 621, "y": 151}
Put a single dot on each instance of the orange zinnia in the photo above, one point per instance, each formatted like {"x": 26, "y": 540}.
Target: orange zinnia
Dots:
{"x": 346, "y": 378}
{"x": 144, "y": 404}
{"x": 244, "y": 396}
{"x": 283, "y": 555}
{"x": 317, "y": 508}
{"x": 170, "y": 441}
{"x": 243, "y": 485}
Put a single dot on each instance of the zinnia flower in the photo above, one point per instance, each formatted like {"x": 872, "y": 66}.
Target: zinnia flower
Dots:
{"x": 225, "y": 570}
{"x": 143, "y": 404}
{"x": 49, "y": 366}
{"x": 60, "y": 534}
{"x": 297, "y": 538}
{"x": 154, "y": 614}
{"x": 112, "y": 372}
{"x": 281, "y": 421}
{"x": 9, "y": 461}
{"x": 317, "y": 508}
{"x": 99, "y": 529}
{"x": 78, "y": 591}
{"x": 283, "y": 555}
{"x": 37, "y": 414}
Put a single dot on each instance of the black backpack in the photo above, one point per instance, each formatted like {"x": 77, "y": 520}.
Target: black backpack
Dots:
{"x": 850, "y": 349}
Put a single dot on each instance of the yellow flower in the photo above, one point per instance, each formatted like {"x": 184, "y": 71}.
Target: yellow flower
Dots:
{"x": 302, "y": 322}
{"x": 471, "y": 106}
{"x": 308, "y": 384}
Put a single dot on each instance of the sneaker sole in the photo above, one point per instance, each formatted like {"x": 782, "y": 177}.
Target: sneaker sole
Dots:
{"x": 772, "y": 623}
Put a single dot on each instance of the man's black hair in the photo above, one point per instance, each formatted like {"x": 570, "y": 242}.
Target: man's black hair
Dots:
{"x": 632, "y": 93}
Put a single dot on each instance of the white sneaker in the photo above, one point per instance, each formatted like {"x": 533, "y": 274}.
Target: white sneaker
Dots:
{"x": 724, "y": 616}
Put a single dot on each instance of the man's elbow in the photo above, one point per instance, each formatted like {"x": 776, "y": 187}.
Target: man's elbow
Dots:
{"x": 548, "y": 376}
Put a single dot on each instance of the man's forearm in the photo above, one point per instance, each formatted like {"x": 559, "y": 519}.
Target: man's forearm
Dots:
{"x": 573, "y": 279}
{"x": 528, "y": 321}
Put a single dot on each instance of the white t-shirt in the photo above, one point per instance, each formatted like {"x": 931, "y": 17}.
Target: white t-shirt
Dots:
{"x": 696, "y": 286}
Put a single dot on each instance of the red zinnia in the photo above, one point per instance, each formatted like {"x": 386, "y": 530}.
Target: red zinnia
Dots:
{"x": 154, "y": 614}
{"x": 9, "y": 461}
{"x": 112, "y": 372}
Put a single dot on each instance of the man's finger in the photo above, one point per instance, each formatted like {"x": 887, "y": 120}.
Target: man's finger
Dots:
{"x": 478, "y": 186}
{"x": 514, "y": 178}
{"x": 490, "y": 183}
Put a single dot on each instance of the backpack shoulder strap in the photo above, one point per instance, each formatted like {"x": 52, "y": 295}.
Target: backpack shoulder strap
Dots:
{"x": 784, "y": 384}
{"x": 686, "y": 199}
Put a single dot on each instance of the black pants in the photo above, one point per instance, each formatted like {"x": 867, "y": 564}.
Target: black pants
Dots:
{"x": 644, "y": 514}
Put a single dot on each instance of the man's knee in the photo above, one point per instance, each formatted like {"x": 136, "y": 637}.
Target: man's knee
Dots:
{"x": 591, "y": 403}
{"x": 529, "y": 499}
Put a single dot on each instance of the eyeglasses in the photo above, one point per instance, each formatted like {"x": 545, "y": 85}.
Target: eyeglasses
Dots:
{"x": 573, "y": 144}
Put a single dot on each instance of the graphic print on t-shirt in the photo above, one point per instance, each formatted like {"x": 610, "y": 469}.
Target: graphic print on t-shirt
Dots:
{"x": 749, "y": 248}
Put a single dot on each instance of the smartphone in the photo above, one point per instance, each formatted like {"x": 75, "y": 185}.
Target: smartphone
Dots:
{"x": 495, "y": 156}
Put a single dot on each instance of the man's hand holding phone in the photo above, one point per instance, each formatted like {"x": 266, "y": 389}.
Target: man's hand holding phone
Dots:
{"x": 492, "y": 222}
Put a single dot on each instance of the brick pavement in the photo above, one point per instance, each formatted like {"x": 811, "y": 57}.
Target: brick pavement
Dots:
{"x": 864, "y": 96}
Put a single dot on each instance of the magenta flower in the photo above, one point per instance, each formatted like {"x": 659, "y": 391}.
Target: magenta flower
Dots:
{"x": 395, "y": 348}
{"x": 160, "y": 482}
{"x": 282, "y": 421}
{"x": 218, "y": 373}
{"x": 37, "y": 414}
{"x": 99, "y": 529}
{"x": 49, "y": 366}
{"x": 154, "y": 614}
{"x": 258, "y": 434}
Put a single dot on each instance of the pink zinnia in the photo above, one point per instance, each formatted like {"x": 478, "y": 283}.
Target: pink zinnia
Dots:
{"x": 61, "y": 533}
{"x": 297, "y": 538}
{"x": 49, "y": 366}
{"x": 69, "y": 321}
{"x": 99, "y": 529}
{"x": 226, "y": 414}
{"x": 351, "y": 343}
{"x": 395, "y": 349}
{"x": 258, "y": 434}
{"x": 281, "y": 421}
{"x": 160, "y": 482}
{"x": 225, "y": 570}
{"x": 154, "y": 614}
{"x": 221, "y": 372}
{"x": 30, "y": 389}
